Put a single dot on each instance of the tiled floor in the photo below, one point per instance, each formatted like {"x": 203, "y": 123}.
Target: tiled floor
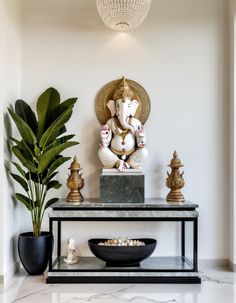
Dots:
{"x": 218, "y": 286}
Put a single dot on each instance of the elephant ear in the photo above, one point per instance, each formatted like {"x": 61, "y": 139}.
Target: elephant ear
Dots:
{"x": 133, "y": 107}
{"x": 111, "y": 104}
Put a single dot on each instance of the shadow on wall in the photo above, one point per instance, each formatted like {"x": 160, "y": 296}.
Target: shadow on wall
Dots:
{"x": 91, "y": 148}
{"x": 13, "y": 247}
{"x": 8, "y": 130}
{"x": 64, "y": 14}
{"x": 12, "y": 11}
{"x": 11, "y": 213}
{"x": 71, "y": 14}
{"x": 8, "y": 156}
{"x": 158, "y": 179}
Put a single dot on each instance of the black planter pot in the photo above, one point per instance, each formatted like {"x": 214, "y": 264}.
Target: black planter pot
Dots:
{"x": 34, "y": 252}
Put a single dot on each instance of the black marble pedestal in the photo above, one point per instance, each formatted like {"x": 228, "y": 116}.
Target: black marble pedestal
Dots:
{"x": 122, "y": 188}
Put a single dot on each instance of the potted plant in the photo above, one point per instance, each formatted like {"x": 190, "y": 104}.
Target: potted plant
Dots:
{"x": 39, "y": 155}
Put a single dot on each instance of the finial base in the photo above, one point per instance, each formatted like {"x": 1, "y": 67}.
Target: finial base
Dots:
{"x": 75, "y": 197}
{"x": 175, "y": 196}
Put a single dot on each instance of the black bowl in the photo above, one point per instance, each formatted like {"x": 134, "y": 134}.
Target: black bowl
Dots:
{"x": 122, "y": 255}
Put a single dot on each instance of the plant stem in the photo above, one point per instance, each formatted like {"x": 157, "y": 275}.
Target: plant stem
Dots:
{"x": 37, "y": 191}
{"x": 33, "y": 206}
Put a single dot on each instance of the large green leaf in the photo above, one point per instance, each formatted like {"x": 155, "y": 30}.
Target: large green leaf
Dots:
{"x": 37, "y": 151}
{"x": 46, "y": 103}
{"x": 26, "y": 201}
{"x": 26, "y": 132}
{"x": 58, "y": 142}
{"x": 49, "y": 177}
{"x": 20, "y": 170}
{"x": 21, "y": 181}
{"x": 32, "y": 177}
{"x": 58, "y": 162}
{"x": 47, "y": 157}
{"x": 23, "y": 110}
{"x": 53, "y": 184}
{"x": 50, "y": 202}
{"x": 24, "y": 148}
{"x": 52, "y": 132}
{"x": 62, "y": 130}
{"x": 69, "y": 103}
{"x": 21, "y": 146}
{"x": 60, "y": 109}
{"x": 28, "y": 164}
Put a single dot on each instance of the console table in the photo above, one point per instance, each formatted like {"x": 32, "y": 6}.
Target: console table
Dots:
{"x": 176, "y": 269}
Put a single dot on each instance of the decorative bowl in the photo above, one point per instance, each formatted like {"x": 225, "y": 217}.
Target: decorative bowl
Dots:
{"x": 122, "y": 255}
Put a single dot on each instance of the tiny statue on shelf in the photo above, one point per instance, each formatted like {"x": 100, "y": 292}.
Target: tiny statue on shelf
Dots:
{"x": 71, "y": 253}
{"x": 175, "y": 180}
{"x": 75, "y": 182}
{"x": 123, "y": 139}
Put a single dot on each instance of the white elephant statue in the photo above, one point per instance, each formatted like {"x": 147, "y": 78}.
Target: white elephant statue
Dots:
{"x": 123, "y": 139}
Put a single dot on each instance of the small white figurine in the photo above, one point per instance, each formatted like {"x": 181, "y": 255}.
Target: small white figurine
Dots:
{"x": 71, "y": 253}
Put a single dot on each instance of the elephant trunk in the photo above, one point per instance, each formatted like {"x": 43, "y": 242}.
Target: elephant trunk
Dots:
{"x": 124, "y": 117}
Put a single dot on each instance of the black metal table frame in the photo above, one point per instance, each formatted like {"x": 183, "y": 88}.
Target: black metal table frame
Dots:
{"x": 172, "y": 279}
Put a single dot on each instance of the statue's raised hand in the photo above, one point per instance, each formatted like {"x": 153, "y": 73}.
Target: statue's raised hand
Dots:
{"x": 141, "y": 137}
{"x": 105, "y": 136}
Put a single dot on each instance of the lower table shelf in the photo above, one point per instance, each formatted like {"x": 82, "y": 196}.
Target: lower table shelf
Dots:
{"x": 152, "y": 270}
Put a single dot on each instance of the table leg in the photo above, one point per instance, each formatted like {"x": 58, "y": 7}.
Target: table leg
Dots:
{"x": 183, "y": 238}
{"x": 51, "y": 243}
{"x": 58, "y": 238}
{"x": 195, "y": 244}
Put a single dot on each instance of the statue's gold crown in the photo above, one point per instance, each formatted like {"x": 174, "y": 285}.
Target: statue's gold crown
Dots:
{"x": 123, "y": 91}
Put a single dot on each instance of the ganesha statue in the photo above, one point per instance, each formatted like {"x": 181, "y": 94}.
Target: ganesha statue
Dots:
{"x": 123, "y": 139}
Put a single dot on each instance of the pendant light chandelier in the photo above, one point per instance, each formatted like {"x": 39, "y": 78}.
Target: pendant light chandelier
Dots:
{"x": 123, "y": 15}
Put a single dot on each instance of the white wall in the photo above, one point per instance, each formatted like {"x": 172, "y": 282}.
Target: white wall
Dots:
{"x": 180, "y": 56}
{"x": 232, "y": 209}
{"x": 10, "y": 12}
{"x": 233, "y": 228}
{"x": 2, "y": 32}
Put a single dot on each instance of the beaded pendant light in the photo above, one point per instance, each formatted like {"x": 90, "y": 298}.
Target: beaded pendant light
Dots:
{"x": 123, "y": 15}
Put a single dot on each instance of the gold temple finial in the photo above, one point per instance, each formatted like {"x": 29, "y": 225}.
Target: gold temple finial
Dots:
{"x": 175, "y": 162}
{"x": 75, "y": 165}
{"x": 75, "y": 182}
{"x": 175, "y": 180}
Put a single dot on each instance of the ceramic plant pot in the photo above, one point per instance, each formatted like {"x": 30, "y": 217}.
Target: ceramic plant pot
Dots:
{"x": 34, "y": 252}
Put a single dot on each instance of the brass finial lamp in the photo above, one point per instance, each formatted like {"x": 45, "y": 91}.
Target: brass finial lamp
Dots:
{"x": 75, "y": 182}
{"x": 175, "y": 180}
